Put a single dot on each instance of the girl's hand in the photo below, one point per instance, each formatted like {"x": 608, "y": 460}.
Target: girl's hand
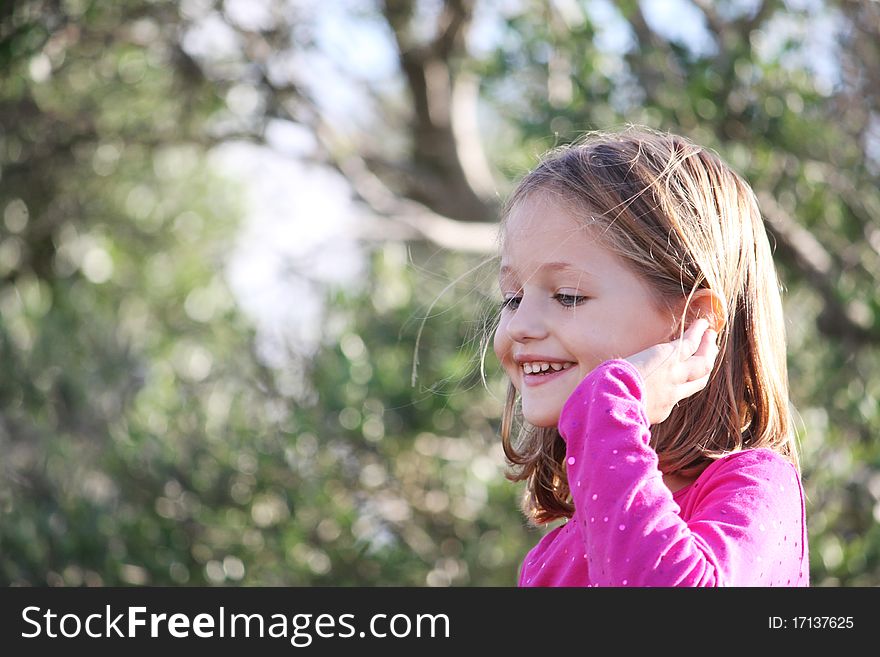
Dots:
{"x": 675, "y": 370}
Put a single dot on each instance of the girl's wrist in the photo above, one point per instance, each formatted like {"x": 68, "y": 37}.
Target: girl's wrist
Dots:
{"x": 625, "y": 381}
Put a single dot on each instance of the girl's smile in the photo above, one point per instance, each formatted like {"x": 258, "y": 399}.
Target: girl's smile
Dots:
{"x": 538, "y": 370}
{"x": 570, "y": 304}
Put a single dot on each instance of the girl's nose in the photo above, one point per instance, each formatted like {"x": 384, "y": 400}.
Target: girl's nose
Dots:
{"x": 527, "y": 322}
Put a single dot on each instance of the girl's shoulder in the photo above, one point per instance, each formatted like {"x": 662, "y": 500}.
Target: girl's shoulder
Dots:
{"x": 756, "y": 485}
{"x": 760, "y": 464}
{"x": 755, "y": 455}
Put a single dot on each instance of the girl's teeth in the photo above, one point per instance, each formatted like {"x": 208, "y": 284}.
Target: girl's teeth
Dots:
{"x": 538, "y": 368}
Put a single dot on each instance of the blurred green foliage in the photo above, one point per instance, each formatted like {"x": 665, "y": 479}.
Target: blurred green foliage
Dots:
{"x": 143, "y": 440}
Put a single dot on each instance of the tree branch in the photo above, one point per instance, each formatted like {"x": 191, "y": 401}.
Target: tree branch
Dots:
{"x": 397, "y": 218}
{"x": 449, "y": 168}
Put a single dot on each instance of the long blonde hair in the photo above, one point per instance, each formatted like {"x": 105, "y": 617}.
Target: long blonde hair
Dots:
{"x": 684, "y": 221}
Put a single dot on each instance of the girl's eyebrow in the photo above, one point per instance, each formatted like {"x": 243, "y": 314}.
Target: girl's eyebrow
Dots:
{"x": 564, "y": 267}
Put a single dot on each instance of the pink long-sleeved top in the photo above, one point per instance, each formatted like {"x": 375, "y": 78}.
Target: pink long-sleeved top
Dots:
{"x": 740, "y": 523}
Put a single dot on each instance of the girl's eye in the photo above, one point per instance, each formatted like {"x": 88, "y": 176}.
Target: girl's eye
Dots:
{"x": 569, "y": 300}
{"x": 511, "y": 303}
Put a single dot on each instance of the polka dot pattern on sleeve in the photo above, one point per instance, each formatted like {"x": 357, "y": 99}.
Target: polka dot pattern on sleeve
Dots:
{"x": 741, "y": 523}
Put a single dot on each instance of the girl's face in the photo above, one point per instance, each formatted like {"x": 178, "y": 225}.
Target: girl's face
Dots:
{"x": 571, "y": 303}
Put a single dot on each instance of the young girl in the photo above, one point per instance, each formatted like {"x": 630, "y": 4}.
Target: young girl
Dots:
{"x": 642, "y": 332}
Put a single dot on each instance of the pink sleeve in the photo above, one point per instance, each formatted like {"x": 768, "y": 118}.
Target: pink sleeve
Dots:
{"x": 745, "y": 522}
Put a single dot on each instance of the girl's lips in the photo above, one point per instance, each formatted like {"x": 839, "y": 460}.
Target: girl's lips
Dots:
{"x": 538, "y": 379}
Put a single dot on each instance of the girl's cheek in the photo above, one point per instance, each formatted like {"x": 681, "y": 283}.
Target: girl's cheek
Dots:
{"x": 500, "y": 344}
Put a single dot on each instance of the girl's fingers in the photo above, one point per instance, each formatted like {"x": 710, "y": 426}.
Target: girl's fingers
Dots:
{"x": 703, "y": 360}
{"x": 708, "y": 348}
{"x": 692, "y": 387}
{"x": 694, "y": 336}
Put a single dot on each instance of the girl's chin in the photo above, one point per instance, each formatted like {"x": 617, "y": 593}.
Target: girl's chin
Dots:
{"x": 541, "y": 419}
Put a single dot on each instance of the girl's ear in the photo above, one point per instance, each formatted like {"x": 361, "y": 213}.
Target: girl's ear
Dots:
{"x": 708, "y": 304}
